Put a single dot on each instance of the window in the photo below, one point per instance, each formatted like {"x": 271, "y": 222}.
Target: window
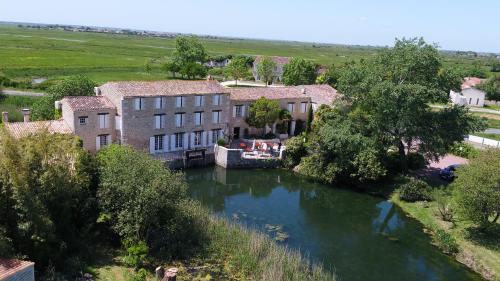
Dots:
{"x": 216, "y": 116}
{"x": 179, "y": 101}
{"x": 139, "y": 104}
{"x": 83, "y": 120}
{"x": 198, "y": 101}
{"x": 159, "y": 121}
{"x": 179, "y": 120}
{"x": 470, "y": 100}
{"x": 198, "y": 118}
{"x": 216, "y": 100}
{"x": 239, "y": 111}
{"x": 291, "y": 107}
{"x": 477, "y": 101}
{"x": 160, "y": 102}
{"x": 103, "y": 140}
{"x": 159, "y": 142}
{"x": 103, "y": 120}
{"x": 303, "y": 107}
{"x": 216, "y": 135}
{"x": 179, "y": 140}
{"x": 197, "y": 138}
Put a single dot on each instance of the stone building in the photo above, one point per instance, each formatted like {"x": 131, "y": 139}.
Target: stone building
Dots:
{"x": 470, "y": 94}
{"x": 278, "y": 70}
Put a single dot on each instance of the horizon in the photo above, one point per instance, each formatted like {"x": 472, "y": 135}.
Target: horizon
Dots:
{"x": 361, "y": 24}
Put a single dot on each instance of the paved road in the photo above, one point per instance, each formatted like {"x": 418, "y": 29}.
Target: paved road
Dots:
{"x": 492, "y": 131}
{"x": 473, "y": 109}
{"x": 22, "y": 93}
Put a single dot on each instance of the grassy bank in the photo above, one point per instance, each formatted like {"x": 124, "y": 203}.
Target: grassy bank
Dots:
{"x": 233, "y": 253}
{"x": 480, "y": 253}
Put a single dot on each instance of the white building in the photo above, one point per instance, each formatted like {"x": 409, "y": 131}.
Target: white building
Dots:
{"x": 470, "y": 95}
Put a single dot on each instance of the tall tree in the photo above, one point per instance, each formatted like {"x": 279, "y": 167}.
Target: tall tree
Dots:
{"x": 492, "y": 88}
{"x": 189, "y": 56}
{"x": 263, "y": 112}
{"x": 171, "y": 66}
{"x": 394, "y": 91}
{"x": 299, "y": 72}
{"x": 477, "y": 189}
{"x": 78, "y": 85}
{"x": 265, "y": 70}
{"x": 237, "y": 68}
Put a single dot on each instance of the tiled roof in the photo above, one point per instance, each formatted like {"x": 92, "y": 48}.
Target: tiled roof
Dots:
{"x": 471, "y": 82}
{"x": 273, "y": 93}
{"x": 320, "y": 94}
{"x": 277, "y": 60}
{"x": 162, "y": 88}
{"x": 9, "y": 267}
{"x": 24, "y": 129}
{"x": 83, "y": 103}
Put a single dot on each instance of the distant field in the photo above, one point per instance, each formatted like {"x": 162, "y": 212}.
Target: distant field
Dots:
{"x": 14, "y": 104}
{"x": 28, "y": 53}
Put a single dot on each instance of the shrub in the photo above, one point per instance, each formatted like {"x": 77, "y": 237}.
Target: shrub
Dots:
{"x": 463, "y": 150}
{"x": 295, "y": 150}
{"x": 446, "y": 242}
{"x": 414, "y": 190}
{"x": 442, "y": 199}
{"x": 136, "y": 253}
{"x": 221, "y": 142}
{"x": 140, "y": 275}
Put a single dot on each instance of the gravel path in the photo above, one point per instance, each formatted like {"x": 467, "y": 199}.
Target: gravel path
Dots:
{"x": 21, "y": 93}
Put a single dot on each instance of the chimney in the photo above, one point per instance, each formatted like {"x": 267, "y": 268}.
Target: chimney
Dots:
{"x": 26, "y": 114}
{"x": 58, "y": 105}
{"x": 97, "y": 91}
{"x": 303, "y": 91}
{"x": 5, "y": 117}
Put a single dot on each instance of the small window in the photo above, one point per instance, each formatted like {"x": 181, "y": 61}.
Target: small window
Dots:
{"x": 103, "y": 120}
{"x": 239, "y": 111}
{"x": 216, "y": 116}
{"x": 291, "y": 107}
{"x": 83, "y": 120}
{"x": 159, "y": 142}
{"x": 216, "y": 99}
{"x": 198, "y": 118}
{"x": 179, "y": 120}
{"x": 159, "y": 121}
{"x": 216, "y": 135}
{"x": 198, "y": 100}
{"x": 179, "y": 140}
{"x": 303, "y": 107}
{"x": 139, "y": 104}
{"x": 160, "y": 102}
{"x": 103, "y": 140}
{"x": 179, "y": 101}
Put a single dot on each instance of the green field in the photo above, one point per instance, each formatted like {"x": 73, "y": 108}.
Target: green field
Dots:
{"x": 30, "y": 53}
{"x": 14, "y": 104}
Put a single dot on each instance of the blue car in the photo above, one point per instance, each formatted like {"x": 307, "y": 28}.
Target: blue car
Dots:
{"x": 448, "y": 173}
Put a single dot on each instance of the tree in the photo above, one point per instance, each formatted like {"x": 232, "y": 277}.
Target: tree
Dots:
{"x": 171, "y": 66}
{"x": 492, "y": 88}
{"x": 330, "y": 77}
{"x": 143, "y": 201}
{"x": 299, "y": 72}
{"x": 263, "y": 112}
{"x": 310, "y": 117}
{"x": 394, "y": 92}
{"x": 265, "y": 70}
{"x": 495, "y": 66}
{"x": 78, "y": 85}
{"x": 47, "y": 209}
{"x": 147, "y": 66}
{"x": 476, "y": 189}
{"x": 188, "y": 57}
{"x": 237, "y": 68}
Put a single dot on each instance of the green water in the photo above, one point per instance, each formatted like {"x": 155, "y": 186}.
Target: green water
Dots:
{"x": 358, "y": 236}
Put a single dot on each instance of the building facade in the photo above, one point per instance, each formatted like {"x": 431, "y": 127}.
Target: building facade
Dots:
{"x": 470, "y": 94}
{"x": 173, "y": 115}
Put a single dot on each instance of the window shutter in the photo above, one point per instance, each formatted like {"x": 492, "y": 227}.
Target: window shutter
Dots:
{"x": 210, "y": 135}
{"x": 192, "y": 140}
{"x": 214, "y": 99}
{"x": 243, "y": 111}
{"x": 158, "y": 103}
{"x": 165, "y": 143}
{"x": 172, "y": 143}
{"x": 137, "y": 104}
{"x": 97, "y": 143}
{"x": 214, "y": 117}
{"x": 202, "y": 100}
{"x": 204, "y": 138}
{"x": 234, "y": 111}
{"x": 201, "y": 118}
{"x": 185, "y": 142}
{"x": 110, "y": 141}
{"x": 152, "y": 145}
{"x": 177, "y": 120}
{"x": 177, "y": 101}
{"x": 163, "y": 121}
{"x": 157, "y": 121}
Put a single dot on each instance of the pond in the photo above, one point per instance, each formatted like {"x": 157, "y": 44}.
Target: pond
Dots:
{"x": 358, "y": 236}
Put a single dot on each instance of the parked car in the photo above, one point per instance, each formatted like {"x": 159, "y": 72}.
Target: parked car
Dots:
{"x": 448, "y": 173}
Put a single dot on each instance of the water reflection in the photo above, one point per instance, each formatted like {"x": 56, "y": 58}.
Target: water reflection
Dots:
{"x": 359, "y": 236}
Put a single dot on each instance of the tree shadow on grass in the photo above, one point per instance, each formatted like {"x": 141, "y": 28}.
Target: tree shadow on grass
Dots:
{"x": 489, "y": 238}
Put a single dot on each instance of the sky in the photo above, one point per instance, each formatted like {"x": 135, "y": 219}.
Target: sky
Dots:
{"x": 452, "y": 24}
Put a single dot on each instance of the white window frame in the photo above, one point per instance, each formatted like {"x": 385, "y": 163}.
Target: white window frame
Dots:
{"x": 103, "y": 120}
{"x": 291, "y": 107}
{"x": 159, "y": 142}
{"x": 198, "y": 100}
{"x": 159, "y": 121}
{"x": 103, "y": 140}
{"x": 216, "y": 116}
{"x": 198, "y": 118}
{"x": 216, "y": 99}
{"x": 139, "y": 103}
{"x": 160, "y": 102}
{"x": 179, "y": 140}
{"x": 85, "y": 120}
{"x": 238, "y": 111}
{"x": 181, "y": 117}
{"x": 179, "y": 101}
{"x": 216, "y": 135}
{"x": 303, "y": 107}
{"x": 198, "y": 135}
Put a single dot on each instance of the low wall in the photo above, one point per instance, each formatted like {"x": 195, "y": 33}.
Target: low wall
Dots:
{"x": 232, "y": 159}
{"x": 484, "y": 141}
{"x": 177, "y": 164}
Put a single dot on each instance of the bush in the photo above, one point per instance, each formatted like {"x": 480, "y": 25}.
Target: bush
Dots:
{"x": 443, "y": 201}
{"x": 221, "y": 142}
{"x": 136, "y": 253}
{"x": 414, "y": 190}
{"x": 463, "y": 150}
{"x": 445, "y": 242}
{"x": 295, "y": 150}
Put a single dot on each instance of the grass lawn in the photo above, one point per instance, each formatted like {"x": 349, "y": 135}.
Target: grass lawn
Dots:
{"x": 494, "y": 107}
{"x": 492, "y": 119}
{"x": 475, "y": 250}
{"x": 14, "y": 104}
